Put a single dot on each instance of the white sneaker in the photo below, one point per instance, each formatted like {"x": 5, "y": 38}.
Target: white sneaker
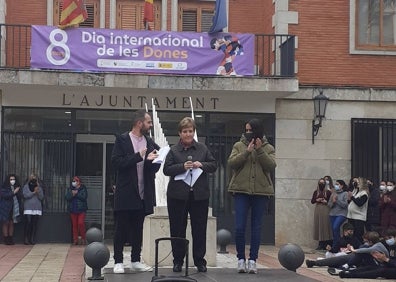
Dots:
{"x": 252, "y": 268}
{"x": 345, "y": 267}
{"x": 241, "y": 266}
{"x": 118, "y": 268}
{"x": 139, "y": 266}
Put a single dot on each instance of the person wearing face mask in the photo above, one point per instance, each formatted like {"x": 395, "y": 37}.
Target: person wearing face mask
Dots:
{"x": 252, "y": 161}
{"x": 390, "y": 242}
{"x": 321, "y": 228}
{"x": 343, "y": 247}
{"x": 329, "y": 182}
{"x": 33, "y": 195}
{"x": 76, "y": 197}
{"x": 338, "y": 204}
{"x": 385, "y": 265}
{"x": 388, "y": 207}
{"x": 357, "y": 208}
{"x": 10, "y": 207}
{"x": 382, "y": 187}
{"x": 352, "y": 184}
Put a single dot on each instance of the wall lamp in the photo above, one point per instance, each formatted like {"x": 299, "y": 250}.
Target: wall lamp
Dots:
{"x": 320, "y": 104}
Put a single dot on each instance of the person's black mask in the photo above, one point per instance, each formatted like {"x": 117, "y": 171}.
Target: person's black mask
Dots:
{"x": 249, "y": 136}
{"x": 32, "y": 184}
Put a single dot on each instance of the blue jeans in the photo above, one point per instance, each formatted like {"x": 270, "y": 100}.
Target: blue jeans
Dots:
{"x": 257, "y": 205}
{"x": 336, "y": 222}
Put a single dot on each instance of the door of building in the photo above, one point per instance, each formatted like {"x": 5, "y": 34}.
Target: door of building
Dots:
{"x": 93, "y": 166}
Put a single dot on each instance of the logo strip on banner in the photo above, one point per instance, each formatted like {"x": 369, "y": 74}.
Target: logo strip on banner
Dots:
{"x": 91, "y": 49}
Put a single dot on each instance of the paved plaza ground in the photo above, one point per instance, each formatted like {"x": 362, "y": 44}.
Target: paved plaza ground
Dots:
{"x": 65, "y": 262}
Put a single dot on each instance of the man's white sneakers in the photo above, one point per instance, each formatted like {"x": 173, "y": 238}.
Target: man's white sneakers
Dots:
{"x": 139, "y": 266}
{"x": 118, "y": 268}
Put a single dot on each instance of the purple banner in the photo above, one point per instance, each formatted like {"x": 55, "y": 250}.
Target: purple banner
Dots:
{"x": 110, "y": 50}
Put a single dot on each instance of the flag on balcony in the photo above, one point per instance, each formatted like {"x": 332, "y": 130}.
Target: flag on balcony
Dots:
{"x": 220, "y": 17}
{"x": 148, "y": 13}
{"x": 73, "y": 13}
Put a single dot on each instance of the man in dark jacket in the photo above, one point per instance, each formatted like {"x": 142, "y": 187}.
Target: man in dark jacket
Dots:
{"x": 134, "y": 195}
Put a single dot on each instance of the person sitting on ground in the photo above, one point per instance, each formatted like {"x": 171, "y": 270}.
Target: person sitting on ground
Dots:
{"x": 385, "y": 263}
{"x": 389, "y": 241}
{"x": 345, "y": 244}
{"x": 353, "y": 258}
{"x": 362, "y": 256}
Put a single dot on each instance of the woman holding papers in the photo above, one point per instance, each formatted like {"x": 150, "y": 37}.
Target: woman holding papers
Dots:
{"x": 252, "y": 159}
{"x": 188, "y": 163}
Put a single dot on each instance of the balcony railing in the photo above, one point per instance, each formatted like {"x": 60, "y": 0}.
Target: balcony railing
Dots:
{"x": 273, "y": 57}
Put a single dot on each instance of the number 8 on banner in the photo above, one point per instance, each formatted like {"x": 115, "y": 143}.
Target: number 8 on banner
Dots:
{"x": 58, "y": 44}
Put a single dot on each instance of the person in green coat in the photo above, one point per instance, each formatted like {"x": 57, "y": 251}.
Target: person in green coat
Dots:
{"x": 252, "y": 159}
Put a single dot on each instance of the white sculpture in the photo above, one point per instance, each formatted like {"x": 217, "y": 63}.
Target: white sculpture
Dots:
{"x": 161, "y": 181}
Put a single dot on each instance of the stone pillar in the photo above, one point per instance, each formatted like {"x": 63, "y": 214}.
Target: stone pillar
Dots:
{"x": 157, "y": 226}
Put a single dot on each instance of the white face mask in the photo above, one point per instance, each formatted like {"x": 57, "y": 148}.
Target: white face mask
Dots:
{"x": 390, "y": 188}
{"x": 327, "y": 182}
{"x": 337, "y": 187}
{"x": 390, "y": 241}
{"x": 382, "y": 187}
{"x": 74, "y": 184}
{"x": 12, "y": 182}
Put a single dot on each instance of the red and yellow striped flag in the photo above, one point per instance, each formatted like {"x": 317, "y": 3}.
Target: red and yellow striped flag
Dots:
{"x": 73, "y": 13}
{"x": 148, "y": 11}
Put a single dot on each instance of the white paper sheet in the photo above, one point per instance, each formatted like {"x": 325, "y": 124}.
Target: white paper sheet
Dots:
{"x": 190, "y": 176}
{"x": 161, "y": 155}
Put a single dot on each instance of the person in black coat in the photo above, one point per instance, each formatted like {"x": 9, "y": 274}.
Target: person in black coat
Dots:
{"x": 191, "y": 160}
{"x": 134, "y": 195}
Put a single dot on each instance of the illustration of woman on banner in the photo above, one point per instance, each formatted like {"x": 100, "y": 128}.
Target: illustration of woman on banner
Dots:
{"x": 231, "y": 47}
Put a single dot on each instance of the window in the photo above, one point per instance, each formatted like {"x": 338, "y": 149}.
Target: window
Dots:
{"x": 92, "y": 7}
{"x": 130, "y": 15}
{"x": 374, "y": 148}
{"x": 196, "y": 17}
{"x": 375, "y": 25}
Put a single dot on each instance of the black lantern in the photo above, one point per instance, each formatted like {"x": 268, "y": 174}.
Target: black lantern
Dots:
{"x": 320, "y": 104}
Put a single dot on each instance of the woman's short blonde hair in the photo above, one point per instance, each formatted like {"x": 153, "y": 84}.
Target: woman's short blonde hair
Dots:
{"x": 185, "y": 123}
